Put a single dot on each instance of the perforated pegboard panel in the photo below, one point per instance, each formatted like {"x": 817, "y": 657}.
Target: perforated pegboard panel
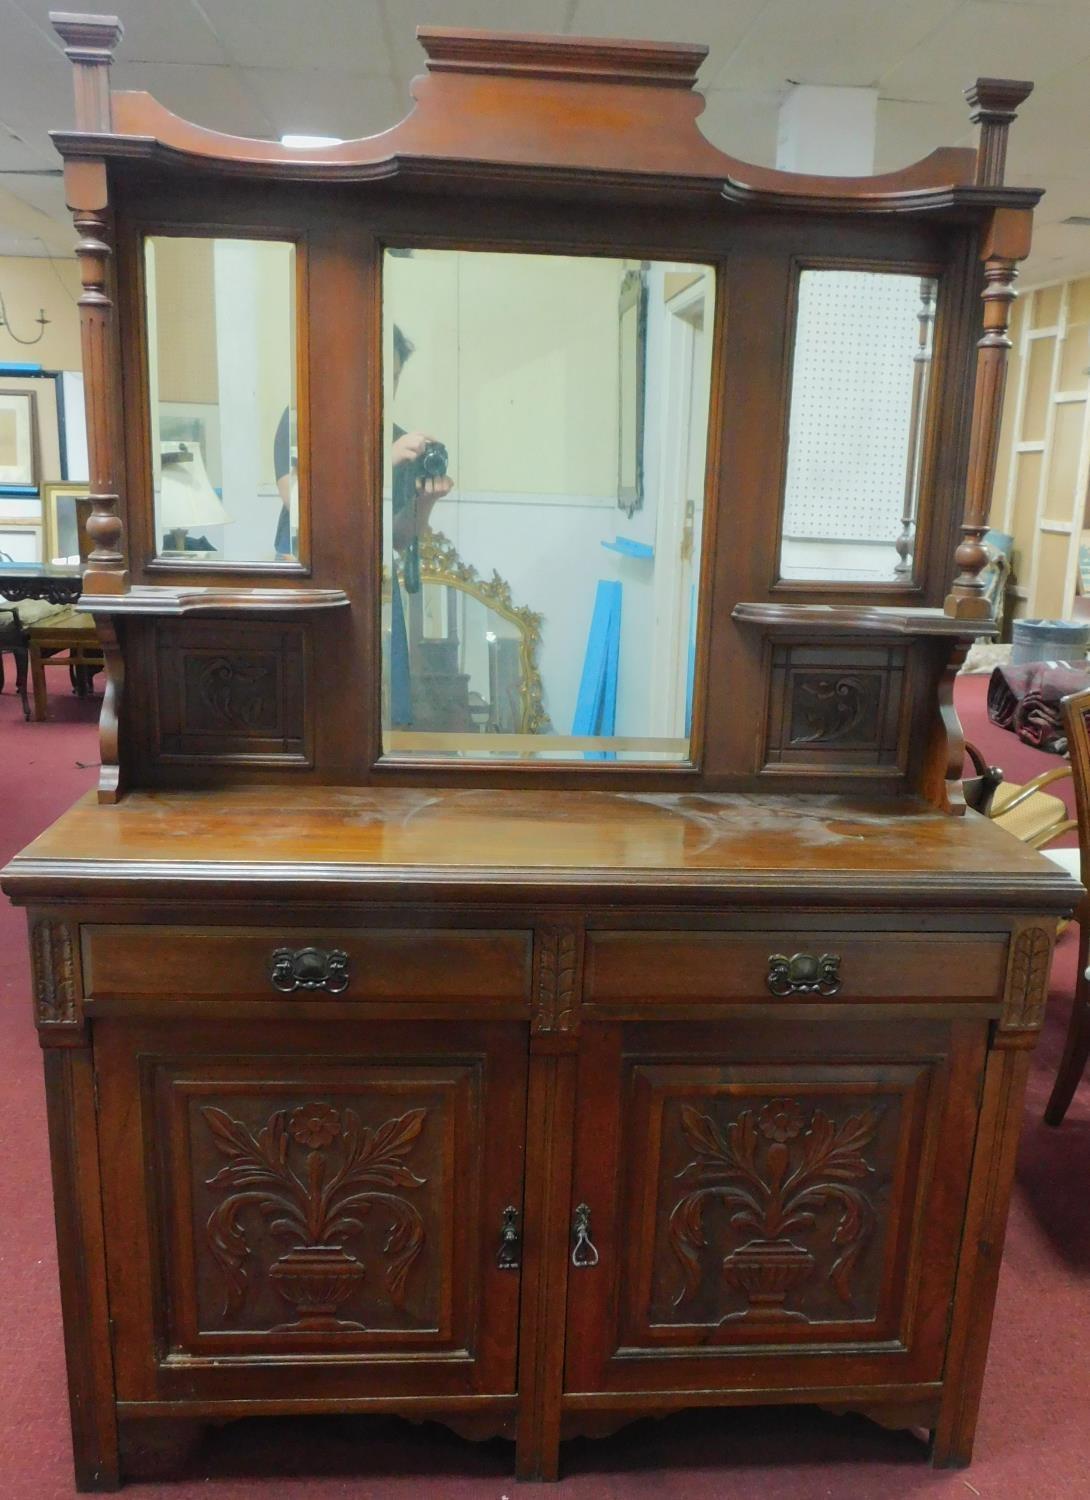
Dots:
{"x": 851, "y": 400}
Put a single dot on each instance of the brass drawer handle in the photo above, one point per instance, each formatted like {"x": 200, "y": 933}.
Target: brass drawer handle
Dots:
{"x": 804, "y": 974}
{"x": 508, "y": 1257}
{"x": 293, "y": 969}
{"x": 584, "y": 1252}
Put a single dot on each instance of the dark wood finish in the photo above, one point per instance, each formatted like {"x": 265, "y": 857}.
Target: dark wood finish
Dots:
{"x": 143, "y": 961}
{"x": 833, "y": 707}
{"x": 764, "y": 1192}
{"x": 994, "y": 102}
{"x": 249, "y": 702}
{"x": 284, "y": 1200}
{"x": 398, "y": 844}
{"x": 527, "y": 1098}
{"x": 1006, "y": 243}
{"x": 161, "y": 601}
{"x": 628, "y": 967}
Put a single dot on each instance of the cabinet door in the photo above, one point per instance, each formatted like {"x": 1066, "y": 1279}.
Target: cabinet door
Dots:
{"x": 310, "y": 1209}
{"x": 773, "y": 1205}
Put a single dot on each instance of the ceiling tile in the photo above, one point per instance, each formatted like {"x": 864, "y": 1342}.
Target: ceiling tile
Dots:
{"x": 38, "y": 230}
{"x": 339, "y": 35}
{"x": 720, "y": 27}
{"x": 1063, "y": 196}
{"x": 210, "y": 96}
{"x": 742, "y": 123}
{"x": 36, "y": 93}
{"x": 846, "y": 42}
{"x": 319, "y": 103}
{"x": 174, "y": 31}
{"x": 984, "y": 39}
{"x": 495, "y": 15}
{"x": 20, "y": 155}
{"x": 908, "y": 131}
{"x": 45, "y": 193}
{"x": 1059, "y": 251}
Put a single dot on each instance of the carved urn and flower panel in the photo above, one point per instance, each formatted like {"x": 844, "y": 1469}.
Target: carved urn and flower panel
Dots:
{"x": 313, "y": 1176}
{"x": 780, "y": 1173}
{"x": 777, "y": 1204}
{"x": 319, "y": 1206}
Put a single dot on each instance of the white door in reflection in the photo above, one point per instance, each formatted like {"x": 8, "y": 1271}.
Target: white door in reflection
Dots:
{"x": 545, "y": 429}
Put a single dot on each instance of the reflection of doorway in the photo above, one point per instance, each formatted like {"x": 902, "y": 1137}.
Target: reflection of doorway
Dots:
{"x": 683, "y": 398}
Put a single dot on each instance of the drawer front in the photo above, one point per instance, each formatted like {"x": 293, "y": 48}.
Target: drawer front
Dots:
{"x": 693, "y": 966}
{"x": 133, "y": 962}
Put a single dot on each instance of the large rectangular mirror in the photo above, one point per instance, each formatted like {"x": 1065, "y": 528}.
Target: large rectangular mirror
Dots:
{"x": 859, "y": 388}
{"x": 546, "y": 422}
{"x": 221, "y": 373}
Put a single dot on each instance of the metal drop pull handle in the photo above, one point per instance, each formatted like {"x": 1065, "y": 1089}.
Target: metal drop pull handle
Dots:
{"x": 804, "y": 974}
{"x": 508, "y": 1256}
{"x": 584, "y": 1252}
{"x": 292, "y": 969}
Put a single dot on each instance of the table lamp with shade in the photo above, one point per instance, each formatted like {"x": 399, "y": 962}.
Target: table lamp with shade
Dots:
{"x": 186, "y": 498}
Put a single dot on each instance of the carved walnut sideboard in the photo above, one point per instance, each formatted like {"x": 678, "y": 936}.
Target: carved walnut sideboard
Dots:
{"x": 529, "y": 1081}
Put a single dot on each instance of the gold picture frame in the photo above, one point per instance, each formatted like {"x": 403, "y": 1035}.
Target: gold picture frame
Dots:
{"x": 15, "y": 533}
{"x": 63, "y": 523}
{"x": 18, "y": 442}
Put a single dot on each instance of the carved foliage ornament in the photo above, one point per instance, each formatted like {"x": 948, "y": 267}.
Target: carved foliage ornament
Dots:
{"x": 316, "y": 1205}
{"x": 235, "y": 690}
{"x": 54, "y": 975}
{"x": 775, "y": 1169}
{"x": 1027, "y": 984}
{"x": 555, "y": 981}
{"x": 832, "y": 708}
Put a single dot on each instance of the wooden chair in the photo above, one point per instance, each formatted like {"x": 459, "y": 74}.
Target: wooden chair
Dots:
{"x": 73, "y": 635}
{"x": 1076, "y": 710}
{"x": 1025, "y": 810}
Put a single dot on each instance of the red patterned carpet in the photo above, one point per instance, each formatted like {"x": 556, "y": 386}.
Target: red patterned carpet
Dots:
{"x": 1034, "y": 1438}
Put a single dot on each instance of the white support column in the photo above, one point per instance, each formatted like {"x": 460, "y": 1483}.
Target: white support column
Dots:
{"x": 829, "y": 132}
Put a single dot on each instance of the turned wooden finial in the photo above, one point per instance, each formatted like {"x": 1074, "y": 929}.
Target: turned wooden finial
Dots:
{"x": 89, "y": 43}
{"x": 994, "y": 102}
{"x": 1006, "y": 243}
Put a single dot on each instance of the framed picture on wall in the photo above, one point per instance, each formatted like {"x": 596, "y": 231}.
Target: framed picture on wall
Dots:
{"x": 65, "y": 508}
{"x": 20, "y": 539}
{"x": 18, "y": 442}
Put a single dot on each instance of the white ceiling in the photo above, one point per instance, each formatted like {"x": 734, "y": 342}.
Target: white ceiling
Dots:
{"x": 342, "y": 68}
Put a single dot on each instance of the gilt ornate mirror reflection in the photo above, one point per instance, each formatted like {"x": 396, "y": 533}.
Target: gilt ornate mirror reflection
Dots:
{"x": 472, "y": 657}
{"x": 857, "y": 425}
{"x": 548, "y": 414}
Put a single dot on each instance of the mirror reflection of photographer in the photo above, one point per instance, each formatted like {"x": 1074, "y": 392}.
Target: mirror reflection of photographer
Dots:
{"x": 419, "y": 480}
{"x": 286, "y": 469}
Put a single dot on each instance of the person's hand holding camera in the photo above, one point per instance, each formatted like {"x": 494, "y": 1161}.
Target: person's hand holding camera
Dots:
{"x": 428, "y": 457}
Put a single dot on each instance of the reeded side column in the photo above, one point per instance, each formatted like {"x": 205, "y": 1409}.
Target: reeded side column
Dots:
{"x": 995, "y": 102}
{"x": 89, "y": 44}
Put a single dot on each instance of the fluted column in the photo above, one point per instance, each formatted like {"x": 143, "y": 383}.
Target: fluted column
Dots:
{"x": 995, "y": 102}
{"x": 89, "y": 43}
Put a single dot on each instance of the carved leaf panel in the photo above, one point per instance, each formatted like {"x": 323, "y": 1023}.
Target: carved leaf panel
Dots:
{"x": 751, "y": 1202}
{"x": 833, "y": 707}
{"x": 239, "y": 695}
{"x": 331, "y": 1193}
{"x": 322, "y": 1206}
{"x": 772, "y": 1204}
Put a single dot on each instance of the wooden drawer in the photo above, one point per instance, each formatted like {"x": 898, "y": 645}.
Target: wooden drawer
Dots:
{"x": 132, "y": 962}
{"x": 623, "y": 966}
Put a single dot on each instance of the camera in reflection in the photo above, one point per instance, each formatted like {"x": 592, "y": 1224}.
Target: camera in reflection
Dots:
{"x": 431, "y": 463}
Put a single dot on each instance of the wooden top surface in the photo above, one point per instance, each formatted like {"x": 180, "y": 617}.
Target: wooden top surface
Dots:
{"x": 401, "y": 843}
